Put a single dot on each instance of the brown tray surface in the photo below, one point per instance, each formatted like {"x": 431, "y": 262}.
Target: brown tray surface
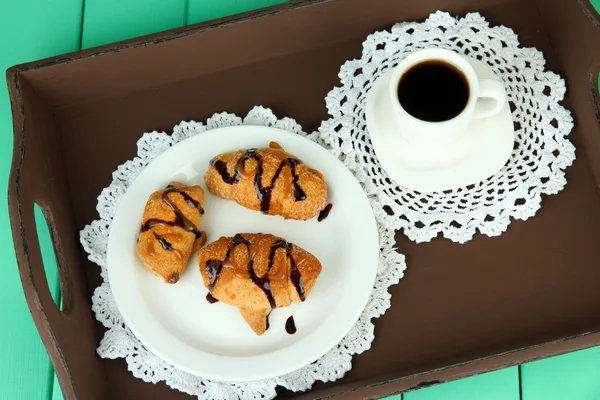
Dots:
{"x": 493, "y": 302}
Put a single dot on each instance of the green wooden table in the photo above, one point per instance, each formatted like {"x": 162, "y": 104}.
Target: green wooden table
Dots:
{"x": 33, "y": 29}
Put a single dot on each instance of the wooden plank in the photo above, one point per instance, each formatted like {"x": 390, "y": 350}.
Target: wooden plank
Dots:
{"x": 29, "y": 30}
{"x": 56, "y": 392}
{"x": 204, "y": 10}
{"x": 570, "y": 376}
{"x": 107, "y": 21}
{"x": 498, "y": 385}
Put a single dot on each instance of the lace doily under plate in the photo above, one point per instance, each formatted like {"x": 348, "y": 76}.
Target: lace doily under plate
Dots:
{"x": 536, "y": 166}
{"x": 120, "y": 342}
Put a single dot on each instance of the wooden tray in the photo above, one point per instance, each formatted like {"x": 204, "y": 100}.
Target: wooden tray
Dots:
{"x": 461, "y": 309}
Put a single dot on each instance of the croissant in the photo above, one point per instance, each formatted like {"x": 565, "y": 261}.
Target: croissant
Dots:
{"x": 257, "y": 273}
{"x": 270, "y": 180}
{"x": 169, "y": 232}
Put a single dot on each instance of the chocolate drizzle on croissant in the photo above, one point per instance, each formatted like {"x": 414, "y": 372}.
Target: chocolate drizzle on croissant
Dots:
{"x": 168, "y": 235}
{"x": 295, "y": 276}
{"x": 256, "y": 273}
{"x": 163, "y": 242}
{"x": 263, "y": 192}
{"x": 214, "y": 268}
{"x": 180, "y": 219}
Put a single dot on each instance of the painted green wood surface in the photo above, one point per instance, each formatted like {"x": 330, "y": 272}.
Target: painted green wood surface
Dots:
{"x": 498, "y": 385}
{"x": 570, "y": 376}
{"x": 48, "y": 255}
{"x": 204, "y": 10}
{"x": 47, "y": 27}
{"x": 107, "y": 21}
{"x": 30, "y": 29}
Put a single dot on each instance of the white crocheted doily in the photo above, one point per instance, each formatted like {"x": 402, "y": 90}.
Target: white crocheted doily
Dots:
{"x": 120, "y": 342}
{"x": 536, "y": 166}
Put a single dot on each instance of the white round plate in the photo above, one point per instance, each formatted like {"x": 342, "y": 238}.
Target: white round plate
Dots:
{"x": 478, "y": 154}
{"x": 213, "y": 341}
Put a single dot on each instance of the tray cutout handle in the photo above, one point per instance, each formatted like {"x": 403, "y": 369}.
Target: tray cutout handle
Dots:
{"x": 40, "y": 242}
{"x": 37, "y": 177}
{"x": 48, "y": 243}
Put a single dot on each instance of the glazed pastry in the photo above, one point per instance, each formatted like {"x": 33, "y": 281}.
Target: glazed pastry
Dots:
{"x": 270, "y": 180}
{"x": 169, "y": 232}
{"x": 257, "y": 273}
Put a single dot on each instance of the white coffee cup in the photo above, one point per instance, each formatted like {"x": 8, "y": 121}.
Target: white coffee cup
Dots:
{"x": 486, "y": 98}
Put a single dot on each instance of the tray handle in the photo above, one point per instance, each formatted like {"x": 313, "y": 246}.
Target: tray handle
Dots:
{"x": 37, "y": 176}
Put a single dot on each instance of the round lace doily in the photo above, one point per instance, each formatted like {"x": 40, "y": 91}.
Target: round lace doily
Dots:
{"x": 536, "y": 166}
{"x": 120, "y": 342}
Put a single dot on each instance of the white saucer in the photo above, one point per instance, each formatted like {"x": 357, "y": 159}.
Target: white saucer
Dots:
{"x": 475, "y": 156}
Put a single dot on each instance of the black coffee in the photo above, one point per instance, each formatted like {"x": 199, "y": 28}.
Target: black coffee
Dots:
{"x": 433, "y": 91}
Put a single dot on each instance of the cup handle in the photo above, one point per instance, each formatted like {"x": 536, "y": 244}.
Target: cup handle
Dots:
{"x": 491, "y": 99}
